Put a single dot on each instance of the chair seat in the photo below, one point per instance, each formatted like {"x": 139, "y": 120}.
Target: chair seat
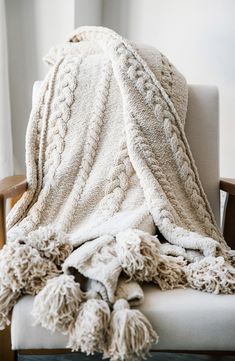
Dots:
{"x": 185, "y": 319}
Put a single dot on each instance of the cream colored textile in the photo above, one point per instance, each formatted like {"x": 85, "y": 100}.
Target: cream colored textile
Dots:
{"x": 108, "y": 166}
{"x": 89, "y": 184}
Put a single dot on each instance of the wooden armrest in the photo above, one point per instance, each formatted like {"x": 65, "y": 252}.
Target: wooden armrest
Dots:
{"x": 10, "y": 187}
{"x": 228, "y": 185}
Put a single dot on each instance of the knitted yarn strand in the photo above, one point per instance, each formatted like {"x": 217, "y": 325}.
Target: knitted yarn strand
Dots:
{"x": 8, "y": 299}
{"x": 137, "y": 253}
{"x": 52, "y": 244}
{"x": 23, "y": 269}
{"x": 140, "y": 258}
{"x": 211, "y": 274}
{"x": 130, "y": 334}
{"x": 56, "y": 306}
{"x": 90, "y": 330}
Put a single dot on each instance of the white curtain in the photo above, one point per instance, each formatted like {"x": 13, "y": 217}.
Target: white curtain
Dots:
{"x": 6, "y": 154}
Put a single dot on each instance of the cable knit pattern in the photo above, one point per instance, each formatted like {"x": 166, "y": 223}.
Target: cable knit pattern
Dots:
{"x": 91, "y": 145}
{"x": 188, "y": 177}
{"x": 38, "y": 116}
{"x": 145, "y": 85}
{"x": 61, "y": 114}
{"x": 118, "y": 183}
{"x": 108, "y": 163}
{"x": 125, "y": 62}
{"x": 144, "y": 147}
{"x": 164, "y": 212}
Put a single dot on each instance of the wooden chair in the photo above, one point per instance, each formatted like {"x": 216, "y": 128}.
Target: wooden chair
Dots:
{"x": 208, "y": 324}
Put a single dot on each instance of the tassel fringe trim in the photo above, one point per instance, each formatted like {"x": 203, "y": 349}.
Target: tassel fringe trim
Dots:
{"x": 130, "y": 334}
{"x": 140, "y": 257}
{"x": 211, "y": 274}
{"x": 56, "y": 306}
{"x": 90, "y": 330}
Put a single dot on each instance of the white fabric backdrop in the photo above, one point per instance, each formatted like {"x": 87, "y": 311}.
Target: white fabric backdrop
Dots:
{"x": 6, "y": 154}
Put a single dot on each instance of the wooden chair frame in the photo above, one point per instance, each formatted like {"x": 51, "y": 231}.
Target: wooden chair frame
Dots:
{"x": 13, "y": 187}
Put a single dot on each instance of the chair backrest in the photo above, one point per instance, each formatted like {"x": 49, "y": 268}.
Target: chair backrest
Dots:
{"x": 202, "y": 129}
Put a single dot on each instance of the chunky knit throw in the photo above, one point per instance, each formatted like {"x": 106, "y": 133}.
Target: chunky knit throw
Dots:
{"x": 114, "y": 198}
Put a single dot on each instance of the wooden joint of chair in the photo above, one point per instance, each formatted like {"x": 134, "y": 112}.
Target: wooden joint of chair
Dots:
{"x": 228, "y": 185}
{"x": 10, "y": 188}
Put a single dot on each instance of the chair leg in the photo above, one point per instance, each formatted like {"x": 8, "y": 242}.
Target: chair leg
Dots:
{"x": 6, "y": 353}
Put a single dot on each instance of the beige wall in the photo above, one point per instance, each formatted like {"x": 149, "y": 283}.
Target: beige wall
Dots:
{"x": 197, "y": 35}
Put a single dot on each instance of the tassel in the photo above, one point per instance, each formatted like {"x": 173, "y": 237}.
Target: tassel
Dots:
{"x": 23, "y": 269}
{"x": 56, "y": 306}
{"x": 51, "y": 244}
{"x": 140, "y": 258}
{"x": 130, "y": 334}
{"x": 211, "y": 274}
{"x": 228, "y": 254}
{"x": 8, "y": 299}
{"x": 90, "y": 331}
{"x": 138, "y": 254}
{"x": 170, "y": 273}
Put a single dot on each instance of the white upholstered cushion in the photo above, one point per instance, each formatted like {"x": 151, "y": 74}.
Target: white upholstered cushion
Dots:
{"x": 185, "y": 319}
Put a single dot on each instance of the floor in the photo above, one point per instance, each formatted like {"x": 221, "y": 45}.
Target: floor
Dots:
{"x": 160, "y": 356}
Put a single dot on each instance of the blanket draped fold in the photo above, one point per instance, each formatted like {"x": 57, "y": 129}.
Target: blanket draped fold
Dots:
{"x": 109, "y": 169}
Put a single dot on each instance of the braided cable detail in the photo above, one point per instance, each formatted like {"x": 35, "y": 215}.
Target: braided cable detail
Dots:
{"x": 38, "y": 117}
{"x": 156, "y": 98}
{"x": 63, "y": 106}
{"x": 162, "y": 211}
{"x": 142, "y": 146}
{"x": 187, "y": 175}
{"x": 118, "y": 183}
{"x": 90, "y": 149}
{"x": 61, "y": 113}
{"x": 164, "y": 215}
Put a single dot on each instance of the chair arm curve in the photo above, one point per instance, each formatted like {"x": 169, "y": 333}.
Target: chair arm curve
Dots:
{"x": 228, "y": 185}
{"x": 10, "y": 187}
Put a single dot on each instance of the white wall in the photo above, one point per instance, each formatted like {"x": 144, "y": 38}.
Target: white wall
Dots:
{"x": 88, "y": 12}
{"x": 198, "y": 36}
{"x": 33, "y": 26}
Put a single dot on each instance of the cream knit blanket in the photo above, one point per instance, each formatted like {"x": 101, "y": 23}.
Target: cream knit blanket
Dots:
{"x": 114, "y": 198}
